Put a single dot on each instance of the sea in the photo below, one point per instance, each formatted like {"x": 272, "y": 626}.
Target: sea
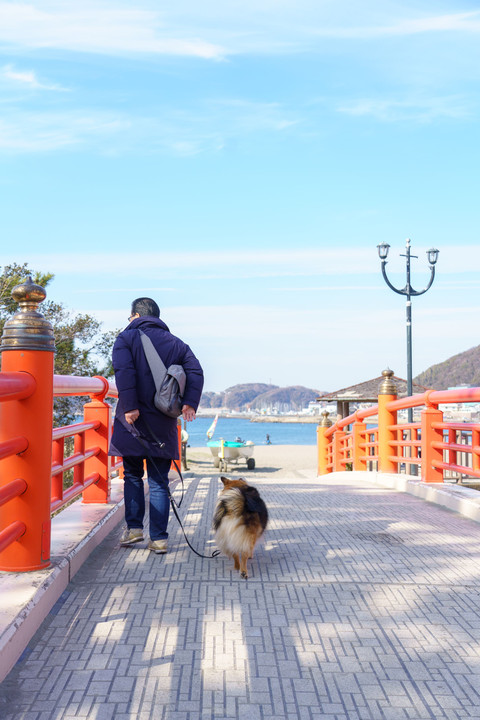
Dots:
{"x": 295, "y": 433}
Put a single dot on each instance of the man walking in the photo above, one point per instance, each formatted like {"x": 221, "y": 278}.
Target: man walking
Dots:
{"x": 140, "y": 431}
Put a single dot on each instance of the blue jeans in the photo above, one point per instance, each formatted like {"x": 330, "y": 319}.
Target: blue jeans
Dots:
{"x": 159, "y": 504}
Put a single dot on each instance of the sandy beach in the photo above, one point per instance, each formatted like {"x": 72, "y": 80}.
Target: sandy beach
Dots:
{"x": 270, "y": 461}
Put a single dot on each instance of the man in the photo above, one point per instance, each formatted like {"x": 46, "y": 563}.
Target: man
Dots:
{"x": 140, "y": 431}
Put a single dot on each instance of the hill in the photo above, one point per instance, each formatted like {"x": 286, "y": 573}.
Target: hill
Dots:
{"x": 260, "y": 396}
{"x": 239, "y": 397}
{"x": 285, "y": 399}
{"x": 461, "y": 369}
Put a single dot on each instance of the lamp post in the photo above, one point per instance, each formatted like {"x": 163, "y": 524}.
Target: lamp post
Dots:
{"x": 409, "y": 292}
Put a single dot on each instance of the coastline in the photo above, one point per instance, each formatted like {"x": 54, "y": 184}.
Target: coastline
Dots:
{"x": 312, "y": 419}
{"x": 286, "y": 419}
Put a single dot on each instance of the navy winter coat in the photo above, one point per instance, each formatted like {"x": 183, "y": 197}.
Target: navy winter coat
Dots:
{"x": 136, "y": 388}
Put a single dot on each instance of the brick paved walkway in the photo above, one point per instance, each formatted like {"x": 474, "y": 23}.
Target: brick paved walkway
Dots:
{"x": 363, "y": 604}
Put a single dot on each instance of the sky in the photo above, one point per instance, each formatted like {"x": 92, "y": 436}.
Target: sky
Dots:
{"x": 240, "y": 162}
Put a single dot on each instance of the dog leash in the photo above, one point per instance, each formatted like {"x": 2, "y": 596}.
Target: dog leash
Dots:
{"x": 144, "y": 441}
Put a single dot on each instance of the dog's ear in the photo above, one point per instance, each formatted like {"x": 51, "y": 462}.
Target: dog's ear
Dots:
{"x": 224, "y": 480}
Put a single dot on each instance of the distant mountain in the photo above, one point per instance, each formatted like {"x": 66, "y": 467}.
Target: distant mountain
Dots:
{"x": 461, "y": 369}
{"x": 239, "y": 397}
{"x": 235, "y": 397}
{"x": 212, "y": 399}
{"x": 260, "y": 396}
{"x": 284, "y": 399}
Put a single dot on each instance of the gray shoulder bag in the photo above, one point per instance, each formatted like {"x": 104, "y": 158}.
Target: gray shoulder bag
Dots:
{"x": 169, "y": 382}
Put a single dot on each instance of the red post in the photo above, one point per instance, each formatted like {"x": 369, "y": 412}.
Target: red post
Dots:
{"x": 79, "y": 448}
{"x": 322, "y": 445}
{"x": 98, "y": 411}
{"x": 431, "y": 435}
{"x": 338, "y": 455}
{"x": 359, "y": 436}
{"x": 57, "y": 460}
{"x": 452, "y": 439}
{"x": 386, "y": 418}
{"x": 28, "y": 346}
{"x": 475, "y": 445}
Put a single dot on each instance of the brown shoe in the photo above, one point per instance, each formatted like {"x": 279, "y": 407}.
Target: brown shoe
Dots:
{"x": 158, "y": 546}
{"x": 131, "y": 536}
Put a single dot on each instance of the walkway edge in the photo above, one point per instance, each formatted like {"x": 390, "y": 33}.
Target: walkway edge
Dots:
{"x": 27, "y": 598}
{"x": 450, "y": 496}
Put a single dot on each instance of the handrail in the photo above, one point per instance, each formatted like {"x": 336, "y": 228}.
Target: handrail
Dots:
{"x": 14, "y": 446}
{"x": 73, "y": 461}
{"x": 16, "y": 386}
{"x": 31, "y": 485}
{"x": 13, "y": 489}
{"x": 71, "y": 385}
{"x": 70, "y": 430}
{"x": 10, "y": 534}
{"x": 89, "y": 461}
{"x": 437, "y": 397}
{"x": 430, "y": 444}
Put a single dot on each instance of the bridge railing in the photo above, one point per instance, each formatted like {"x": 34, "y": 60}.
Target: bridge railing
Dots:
{"x": 90, "y": 463}
{"x": 33, "y": 460}
{"x": 433, "y": 448}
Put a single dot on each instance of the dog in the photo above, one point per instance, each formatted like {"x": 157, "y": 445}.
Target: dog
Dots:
{"x": 239, "y": 520}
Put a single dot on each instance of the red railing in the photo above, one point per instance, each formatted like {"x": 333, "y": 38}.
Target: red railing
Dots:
{"x": 25, "y": 480}
{"x": 83, "y": 435}
{"x": 34, "y": 458}
{"x": 439, "y": 449}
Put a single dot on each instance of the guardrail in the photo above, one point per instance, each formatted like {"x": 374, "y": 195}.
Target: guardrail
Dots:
{"x": 32, "y": 453}
{"x": 91, "y": 465}
{"x": 436, "y": 449}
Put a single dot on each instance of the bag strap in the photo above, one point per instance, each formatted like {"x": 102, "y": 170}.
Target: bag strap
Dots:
{"x": 154, "y": 360}
{"x": 174, "y": 504}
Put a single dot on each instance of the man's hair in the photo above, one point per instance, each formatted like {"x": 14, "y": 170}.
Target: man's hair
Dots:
{"x": 145, "y": 306}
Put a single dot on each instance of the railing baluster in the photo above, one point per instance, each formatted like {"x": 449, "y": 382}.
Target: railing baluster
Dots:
{"x": 79, "y": 449}
{"x": 57, "y": 462}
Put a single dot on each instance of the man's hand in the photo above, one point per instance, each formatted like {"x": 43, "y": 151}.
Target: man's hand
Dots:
{"x": 188, "y": 413}
{"x": 131, "y": 416}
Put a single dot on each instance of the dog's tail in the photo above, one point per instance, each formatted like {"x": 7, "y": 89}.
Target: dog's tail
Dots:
{"x": 255, "y": 504}
{"x": 220, "y": 512}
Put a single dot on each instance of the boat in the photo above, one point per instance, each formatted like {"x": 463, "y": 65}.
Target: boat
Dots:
{"x": 231, "y": 451}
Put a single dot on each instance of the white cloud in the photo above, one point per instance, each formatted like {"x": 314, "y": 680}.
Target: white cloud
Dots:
{"x": 86, "y": 27}
{"x": 27, "y": 78}
{"x": 418, "y": 109}
{"x": 250, "y": 263}
{"x": 213, "y": 30}
{"x": 44, "y": 132}
{"x": 208, "y": 127}
{"x": 327, "y": 347}
{"x": 215, "y": 263}
{"x": 457, "y": 22}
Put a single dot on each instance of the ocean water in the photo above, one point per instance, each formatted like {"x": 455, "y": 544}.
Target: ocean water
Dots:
{"x": 231, "y": 428}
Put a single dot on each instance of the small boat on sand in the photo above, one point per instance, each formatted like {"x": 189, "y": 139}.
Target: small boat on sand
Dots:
{"x": 226, "y": 451}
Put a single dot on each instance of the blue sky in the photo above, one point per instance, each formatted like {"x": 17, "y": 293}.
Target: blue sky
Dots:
{"x": 240, "y": 162}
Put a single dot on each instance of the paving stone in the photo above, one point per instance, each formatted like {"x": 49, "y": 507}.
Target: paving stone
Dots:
{"x": 362, "y": 604}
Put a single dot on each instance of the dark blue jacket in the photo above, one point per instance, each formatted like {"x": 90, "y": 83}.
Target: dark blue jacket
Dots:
{"x": 136, "y": 388}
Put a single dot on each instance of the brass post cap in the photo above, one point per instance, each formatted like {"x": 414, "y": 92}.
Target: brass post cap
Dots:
{"x": 28, "y": 329}
{"x": 325, "y": 422}
{"x": 387, "y": 387}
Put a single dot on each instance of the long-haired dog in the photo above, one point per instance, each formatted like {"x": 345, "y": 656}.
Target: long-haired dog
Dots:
{"x": 239, "y": 520}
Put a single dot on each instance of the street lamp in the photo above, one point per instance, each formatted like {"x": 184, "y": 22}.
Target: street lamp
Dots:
{"x": 432, "y": 256}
